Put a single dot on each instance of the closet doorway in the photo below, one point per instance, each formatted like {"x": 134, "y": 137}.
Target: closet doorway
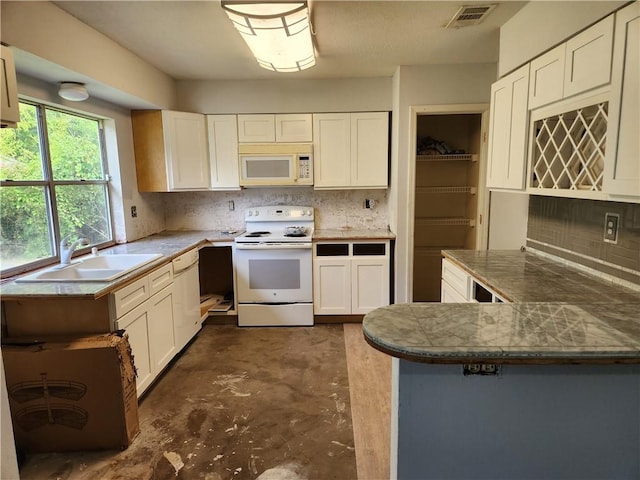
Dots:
{"x": 449, "y": 192}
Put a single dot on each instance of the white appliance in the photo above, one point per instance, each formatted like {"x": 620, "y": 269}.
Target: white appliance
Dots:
{"x": 274, "y": 164}
{"x": 186, "y": 303}
{"x": 273, "y": 267}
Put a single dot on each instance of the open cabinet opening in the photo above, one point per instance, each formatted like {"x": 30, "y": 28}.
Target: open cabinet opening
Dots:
{"x": 446, "y": 194}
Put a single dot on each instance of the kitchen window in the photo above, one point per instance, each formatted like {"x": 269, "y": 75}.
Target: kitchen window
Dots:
{"x": 53, "y": 185}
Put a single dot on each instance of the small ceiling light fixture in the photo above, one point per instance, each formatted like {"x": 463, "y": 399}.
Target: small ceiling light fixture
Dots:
{"x": 278, "y": 33}
{"x": 73, "y": 91}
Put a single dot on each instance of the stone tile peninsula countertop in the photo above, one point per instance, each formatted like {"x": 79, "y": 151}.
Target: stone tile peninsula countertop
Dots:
{"x": 525, "y": 333}
{"x": 558, "y": 314}
{"x": 168, "y": 243}
{"x": 528, "y": 277}
{"x": 352, "y": 234}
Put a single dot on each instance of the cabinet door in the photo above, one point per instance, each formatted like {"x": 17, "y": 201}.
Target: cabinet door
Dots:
{"x": 256, "y": 128}
{"x": 588, "y": 58}
{"x": 185, "y": 144}
{"x": 508, "y": 131}
{"x": 369, "y": 284}
{"x": 622, "y": 166}
{"x": 369, "y": 149}
{"x": 8, "y": 89}
{"x": 546, "y": 77}
{"x": 162, "y": 344}
{"x": 331, "y": 287}
{"x": 135, "y": 324}
{"x": 332, "y": 150}
{"x": 223, "y": 152}
{"x": 294, "y": 128}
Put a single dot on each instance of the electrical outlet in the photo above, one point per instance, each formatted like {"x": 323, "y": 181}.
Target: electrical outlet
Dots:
{"x": 369, "y": 203}
{"x": 611, "y": 223}
{"x": 134, "y": 211}
{"x": 231, "y": 205}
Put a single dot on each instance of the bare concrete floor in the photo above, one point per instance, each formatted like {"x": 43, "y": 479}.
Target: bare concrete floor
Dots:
{"x": 239, "y": 403}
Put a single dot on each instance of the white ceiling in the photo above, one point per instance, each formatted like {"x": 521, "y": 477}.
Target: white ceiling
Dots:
{"x": 194, "y": 40}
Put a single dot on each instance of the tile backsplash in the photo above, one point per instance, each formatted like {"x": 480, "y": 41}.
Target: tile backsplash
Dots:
{"x": 225, "y": 210}
{"x": 574, "y": 229}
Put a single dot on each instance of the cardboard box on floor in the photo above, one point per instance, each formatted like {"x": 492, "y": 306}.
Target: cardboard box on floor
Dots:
{"x": 71, "y": 393}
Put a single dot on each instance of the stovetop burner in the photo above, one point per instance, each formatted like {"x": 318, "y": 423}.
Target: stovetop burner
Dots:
{"x": 257, "y": 234}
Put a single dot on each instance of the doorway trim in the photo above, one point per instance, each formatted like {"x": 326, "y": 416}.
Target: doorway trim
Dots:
{"x": 483, "y": 205}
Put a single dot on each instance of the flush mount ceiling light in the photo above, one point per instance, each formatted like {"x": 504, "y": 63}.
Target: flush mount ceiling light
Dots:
{"x": 278, "y": 33}
{"x": 73, "y": 91}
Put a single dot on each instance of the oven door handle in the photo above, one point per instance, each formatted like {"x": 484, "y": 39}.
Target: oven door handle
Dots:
{"x": 273, "y": 246}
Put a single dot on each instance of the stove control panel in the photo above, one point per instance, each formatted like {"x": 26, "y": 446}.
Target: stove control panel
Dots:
{"x": 279, "y": 213}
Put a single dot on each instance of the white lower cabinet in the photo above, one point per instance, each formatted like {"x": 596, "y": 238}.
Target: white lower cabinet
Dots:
{"x": 144, "y": 310}
{"x": 455, "y": 283}
{"x": 350, "y": 278}
{"x": 458, "y": 286}
{"x": 136, "y": 325}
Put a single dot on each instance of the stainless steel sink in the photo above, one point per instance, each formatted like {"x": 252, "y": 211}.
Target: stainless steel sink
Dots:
{"x": 94, "y": 268}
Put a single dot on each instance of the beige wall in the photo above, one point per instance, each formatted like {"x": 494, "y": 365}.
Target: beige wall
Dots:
{"x": 40, "y": 32}
{"x": 540, "y": 25}
{"x": 285, "y": 96}
{"x": 424, "y": 86}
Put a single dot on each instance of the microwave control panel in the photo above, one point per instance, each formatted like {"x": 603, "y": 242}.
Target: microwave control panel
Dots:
{"x": 305, "y": 167}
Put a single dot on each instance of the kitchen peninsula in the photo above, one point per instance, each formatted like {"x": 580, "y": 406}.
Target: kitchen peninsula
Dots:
{"x": 526, "y": 390}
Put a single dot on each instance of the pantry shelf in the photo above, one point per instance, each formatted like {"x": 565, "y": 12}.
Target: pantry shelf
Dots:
{"x": 447, "y": 189}
{"x": 454, "y": 157}
{"x": 445, "y": 222}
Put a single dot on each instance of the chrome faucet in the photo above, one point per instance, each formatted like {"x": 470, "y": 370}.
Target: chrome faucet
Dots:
{"x": 66, "y": 249}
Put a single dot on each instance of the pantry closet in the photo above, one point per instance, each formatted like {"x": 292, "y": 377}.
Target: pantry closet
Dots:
{"x": 446, "y": 200}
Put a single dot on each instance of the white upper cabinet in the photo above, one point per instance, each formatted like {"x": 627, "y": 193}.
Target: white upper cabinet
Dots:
{"x": 369, "y": 149}
{"x": 508, "y": 131}
{"x": 331, "y": 150}
{"x": 588, "y": 58}
{"x": 256, "y": 128}
{"x": 351, "y": 150}
{"x": 267, "y": 128}
{"x": 9, "y": 109}
{"x": 223, "y": 152}
{"x": 171, "y": 150}
{"x": 185, "y": 143}
{"x": 580, "y": 64}
{"x": 547, "y": 77}
{"x": 294, "y": 128}
{"x": 622, "y": 167}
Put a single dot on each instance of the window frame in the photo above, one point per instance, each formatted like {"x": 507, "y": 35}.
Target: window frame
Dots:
{"x": 48, "y": 184}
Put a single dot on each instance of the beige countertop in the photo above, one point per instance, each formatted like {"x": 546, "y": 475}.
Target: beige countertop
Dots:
{"x": 352, "y": 234}
{"x": 169, "y": 244}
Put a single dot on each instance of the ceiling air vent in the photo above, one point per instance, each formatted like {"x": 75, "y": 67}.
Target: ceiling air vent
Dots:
{"x": 469, "y": 15}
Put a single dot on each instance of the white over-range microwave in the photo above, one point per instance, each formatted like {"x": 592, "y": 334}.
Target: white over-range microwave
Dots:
{"x": 276, "y": 164}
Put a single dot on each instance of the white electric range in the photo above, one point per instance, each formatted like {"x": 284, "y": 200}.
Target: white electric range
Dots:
{"x": 273, "y": 267}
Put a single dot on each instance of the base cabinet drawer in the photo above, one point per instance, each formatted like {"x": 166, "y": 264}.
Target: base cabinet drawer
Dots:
{"x": 455, "y": 279}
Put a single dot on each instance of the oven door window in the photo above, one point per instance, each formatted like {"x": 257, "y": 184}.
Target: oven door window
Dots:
{"x": 279, "y": 274}
{"x": 274, "y": 275}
